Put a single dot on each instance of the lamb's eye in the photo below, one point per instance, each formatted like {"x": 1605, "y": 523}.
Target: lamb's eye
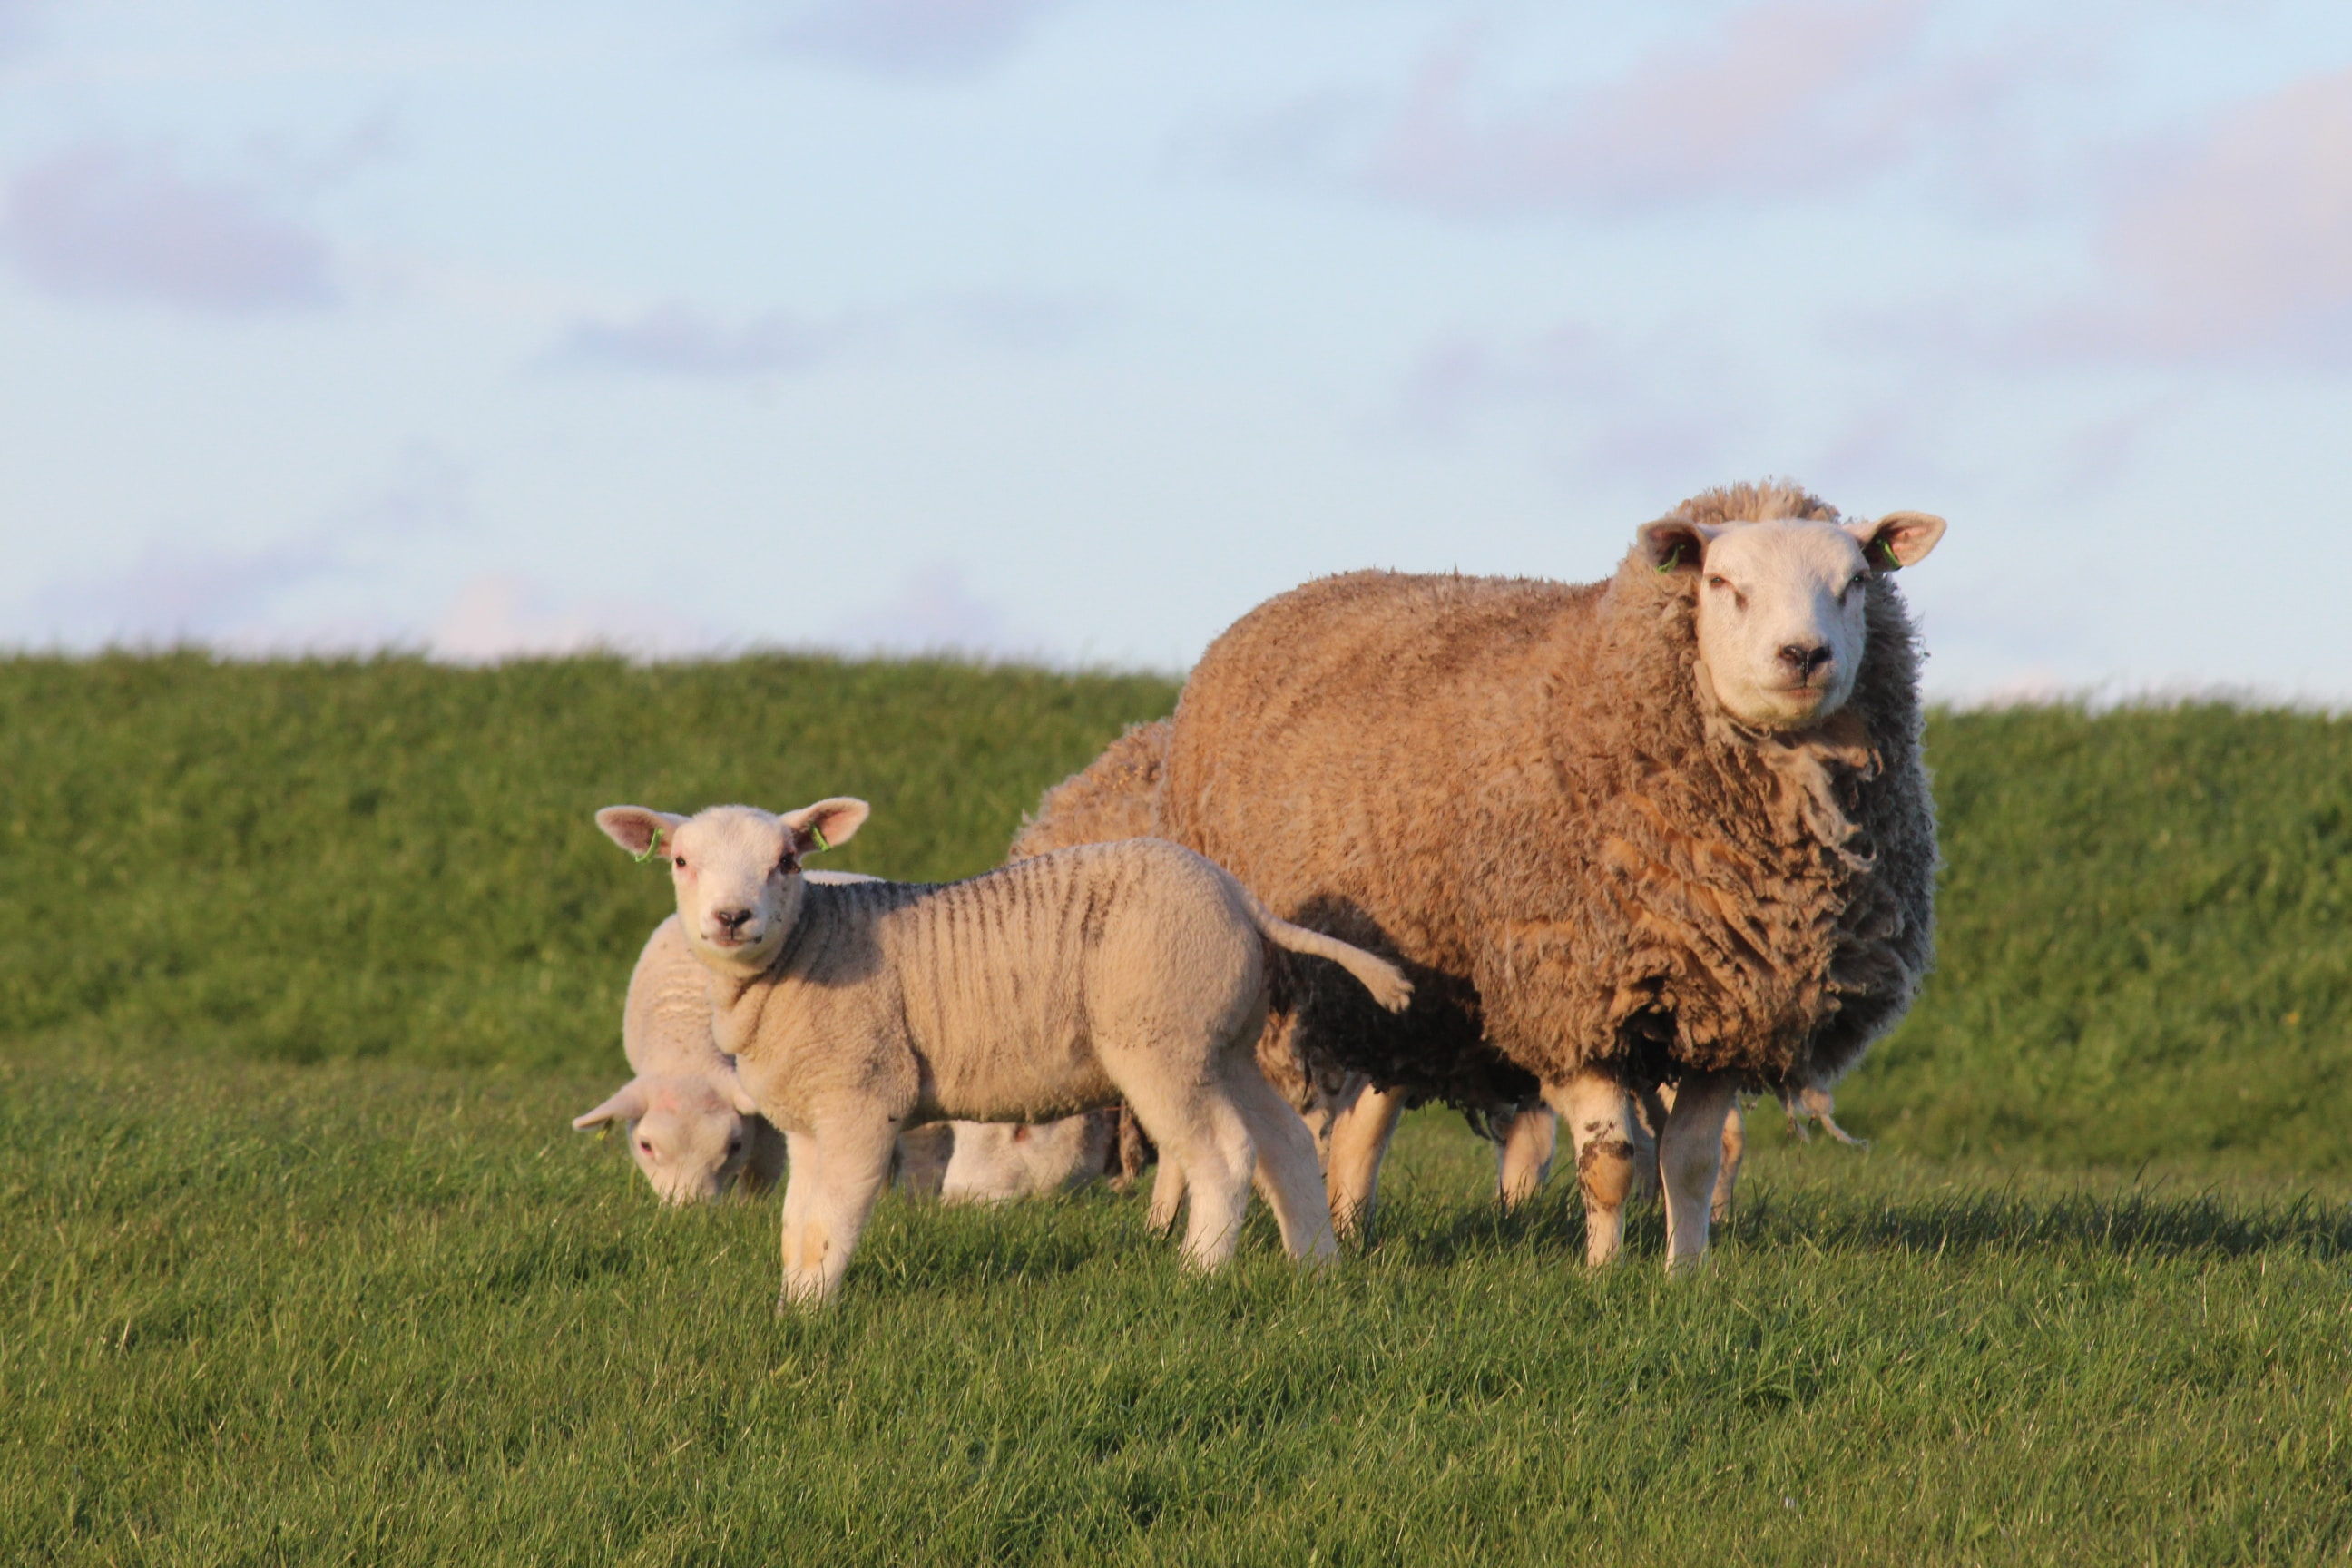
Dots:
{"x": 645, "y": 1147}
{"x": 680, "y": 862}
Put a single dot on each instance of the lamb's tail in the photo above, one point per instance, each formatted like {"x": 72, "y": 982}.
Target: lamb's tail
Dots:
{"x": 1384, "y": 980}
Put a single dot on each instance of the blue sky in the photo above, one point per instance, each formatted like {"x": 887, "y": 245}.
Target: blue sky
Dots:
{"x": 1074, "y": 328}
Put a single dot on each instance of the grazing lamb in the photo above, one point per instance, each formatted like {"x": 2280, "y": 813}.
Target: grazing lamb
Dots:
{"x": 1672, "y": 827}
{"x": 1135, "y": 970}
{"x": 679, "y": 1112}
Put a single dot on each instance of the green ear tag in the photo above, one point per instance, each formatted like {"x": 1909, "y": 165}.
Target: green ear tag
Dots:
{"x": 651, "y": 849}
{"x": 818, "y": 834}
{"x": 1672, "y": 556}
{"x": 1886, "y": 548}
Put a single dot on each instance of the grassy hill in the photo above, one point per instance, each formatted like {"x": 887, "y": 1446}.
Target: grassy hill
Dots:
{"x": 2145, "y": 949}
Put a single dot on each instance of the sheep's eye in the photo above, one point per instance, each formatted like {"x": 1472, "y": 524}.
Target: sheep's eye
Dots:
{"x": 1716, "y": 582}
{"x": 680, "y": 862}
{"x": 645, "y": 1147}
{"x": 734, "y": 1145}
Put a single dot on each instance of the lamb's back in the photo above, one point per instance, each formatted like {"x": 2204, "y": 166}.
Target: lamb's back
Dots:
{"x": 665, "y": 1023}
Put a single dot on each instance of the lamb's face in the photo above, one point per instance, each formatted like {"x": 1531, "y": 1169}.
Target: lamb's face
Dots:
{"x": 691, "y": 1145}
{"x": 1782, "y": 606}
{"x": 736, "y": 871}
{"x": 689, "y": 1136}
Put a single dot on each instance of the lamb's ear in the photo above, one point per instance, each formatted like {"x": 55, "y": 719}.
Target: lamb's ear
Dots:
{"x": 1673, "y": 544}
{"x": 825, "y": 824}
{"x": 1899, "y": 539}
{"x": 627, "y": 1104}
{"x": 636, "y": 828}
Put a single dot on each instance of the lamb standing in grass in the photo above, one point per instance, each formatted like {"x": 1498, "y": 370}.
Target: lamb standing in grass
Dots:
{"x": 1135, "y": 970}
{"x": 1118, "y": 796}
{"x": 1672, "y": 827}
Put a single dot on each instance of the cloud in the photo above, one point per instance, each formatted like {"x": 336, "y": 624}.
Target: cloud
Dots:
{"x": 932, "y": 612}
{"x": 677, "y": 339}
{"x": 2238, "y": 245}
{"x": 914, "y": 38}
{"x": 1787, "y": 97}
{"x": 502, "y": 615}
{"x": 674, "y": 338}
{"x": 105, "y": 222}
{"x": 237, "y": 598}
{"x": 1658, "y": 412}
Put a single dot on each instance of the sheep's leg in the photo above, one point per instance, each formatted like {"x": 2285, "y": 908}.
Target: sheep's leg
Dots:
{"x": 1649, "y": 1109}
{"x": 1287, "y": 1172}
{"x": 1359, "y": 1141}
{"x": 1525, "y": 1155}
{"x": 1166, "y": 1195}
{"x": 1199, "y": 1128}
{"x": 1599, "y": 1117}
{"x": 1735, "y": 1148}
{"x": 827, "y": 1201}
{"x": 1690, "y": 1157}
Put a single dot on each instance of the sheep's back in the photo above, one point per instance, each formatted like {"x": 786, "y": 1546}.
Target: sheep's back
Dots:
{"x": 665, "y": 1023}
{"x": 1329, "y": 750}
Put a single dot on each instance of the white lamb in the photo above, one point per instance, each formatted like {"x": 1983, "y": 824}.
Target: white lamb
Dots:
{"x": 1133, "y": 970}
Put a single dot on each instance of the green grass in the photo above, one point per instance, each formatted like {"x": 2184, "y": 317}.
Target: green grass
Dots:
{"x": 394, "y": 1313}
{"x": 303, "y": 968}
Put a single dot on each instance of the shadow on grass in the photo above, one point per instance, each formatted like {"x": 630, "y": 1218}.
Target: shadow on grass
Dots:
{"x": 2133, "y": 1221}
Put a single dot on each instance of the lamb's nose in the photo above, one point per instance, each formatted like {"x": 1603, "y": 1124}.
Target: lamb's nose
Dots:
{"x": 733, "y": 919}
{"x": 1804, "y": 658}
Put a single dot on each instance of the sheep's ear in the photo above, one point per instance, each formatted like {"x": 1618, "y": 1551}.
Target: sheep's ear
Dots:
{"x": 627, "y": 1104}
{"x": 825, "y": 824}
{"x": 637, "y": 828}
{"x": 1899, "y": 539}
{"x": 1671, "y": 544}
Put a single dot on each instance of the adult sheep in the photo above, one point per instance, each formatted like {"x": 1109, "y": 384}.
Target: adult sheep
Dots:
{"x": 1670, "y": 828}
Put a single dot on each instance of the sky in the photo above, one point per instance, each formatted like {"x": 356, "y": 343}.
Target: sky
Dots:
{"x": 1069, "y": 330}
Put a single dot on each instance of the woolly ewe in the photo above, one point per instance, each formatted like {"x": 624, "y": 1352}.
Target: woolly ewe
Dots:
{"x": 1669, "y": 829}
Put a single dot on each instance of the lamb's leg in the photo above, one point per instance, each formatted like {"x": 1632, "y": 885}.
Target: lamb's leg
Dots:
{"x": 1525, "y": 1155}
{"x": 1599, "y": 1117}
{"x": 1197, "y": 1126}
{"x": 851, "y": 1163}
{"x": 1690, "y": 1155}
{"x": 1735, "y": 1148}
{"x": 1166, "y": 1195}
{"x": 1359, "y": 1141}
{"x": 1287, "y": 1172}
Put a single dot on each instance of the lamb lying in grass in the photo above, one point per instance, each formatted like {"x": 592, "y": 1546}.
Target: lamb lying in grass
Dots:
{"x": 679, "y": 1111}
{"x": 1059, "y": 985}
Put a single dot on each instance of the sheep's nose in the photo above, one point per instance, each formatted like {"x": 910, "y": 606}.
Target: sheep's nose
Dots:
{"x": 733, "y": 919}
{"x": 1804, "y": 658}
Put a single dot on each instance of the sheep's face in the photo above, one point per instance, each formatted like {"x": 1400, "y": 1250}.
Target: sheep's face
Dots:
{"x": 1781, "y": 604}
{"x": 994, "y": 1164}
{"x": 736, "y": 871}
{"x": 689, "y": 1137}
